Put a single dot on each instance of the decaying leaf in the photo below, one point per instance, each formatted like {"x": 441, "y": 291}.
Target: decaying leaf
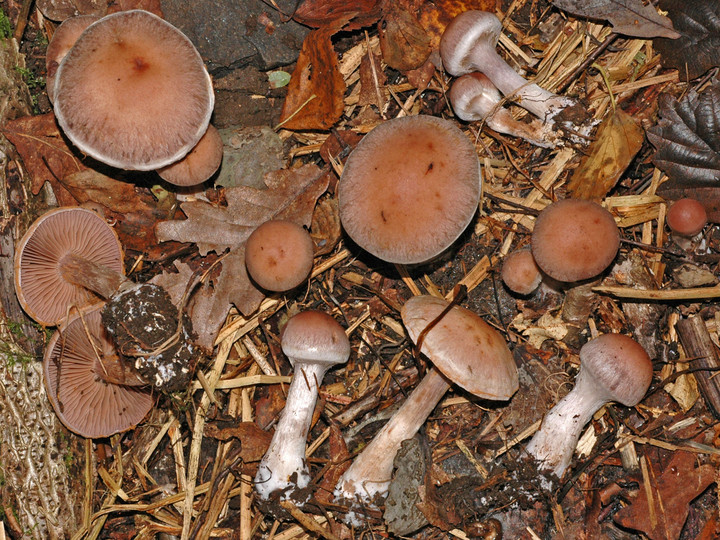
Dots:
{"x": 435, "y": 16}
{"x": 405, "y": 44}
{"x": 317, "y": 13}
{"x": 59, "y": 10}
{"x": 628, "y": 17}
{"x": 698, "y": 48}
{"x": 617, "y": 141}
{"x": 316, "y": 90}
{"x": 291, "y": 195}
{"x": 255, "y": 441}
{"x": 671, "y": 493}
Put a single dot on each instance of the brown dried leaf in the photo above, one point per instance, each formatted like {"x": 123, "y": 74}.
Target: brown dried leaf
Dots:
{"x": 405, "y": 44}
{"x": 44, "y": 152}
{"x": 326, "y": 230}
{"x": 317, "y": 13}
{"x": 255, "y": 441}
{"x": 339, "y": 462}
{"x": 316, "y": 90}
{"x": 372, "y": 78}
{"x": 435, "y": 16}
{"x": 673, "y": 491}
{"x": 59, "y": 10}
{"x": 617, "y": 142}
{"x": 628, "y": 17}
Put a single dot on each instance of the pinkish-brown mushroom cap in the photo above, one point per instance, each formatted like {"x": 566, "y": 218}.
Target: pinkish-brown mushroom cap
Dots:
{"x": 466, "y": 349}
{"x": 62, "y": 41}
{"x": 686, "y": 217}
{"x": 42, "y": 291}
{"x": 199, "y": 164}
{"x": 520, "y": 272}
{"x": 76, "y": 381}
{"x": 574, "y": 240}
{"x": 409, "y": 189}
{"x": 279, "y": 255}
{"x": 133, "y": 92}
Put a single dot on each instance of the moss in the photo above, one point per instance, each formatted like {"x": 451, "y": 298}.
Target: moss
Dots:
{"x": 5, "y": 26}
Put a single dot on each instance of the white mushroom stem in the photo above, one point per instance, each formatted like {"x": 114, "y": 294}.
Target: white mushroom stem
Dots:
{"x": 554, "y": 443}
{"x": 369, "y": 475}
{"x": 283, "y": 467}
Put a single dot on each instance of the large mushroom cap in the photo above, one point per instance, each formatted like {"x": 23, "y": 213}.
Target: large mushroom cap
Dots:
{"x": 409, "y": 189}
{"x": 574, "y": 239}
{"x": 466, "y": 32}
{"x": 76, "y": 381}
{"x": 463, "y": 347}
{"x": 42, "y": 291}
{"x": 314, "y": 336}
{"x": 133, "y": 92}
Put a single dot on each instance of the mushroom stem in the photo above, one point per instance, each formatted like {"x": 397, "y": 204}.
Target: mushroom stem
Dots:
{"x": 553, "y": 445}
{"x": 97, "y": 278}
{"x": 283, "y": 468}
{"x": 369, "y": 475}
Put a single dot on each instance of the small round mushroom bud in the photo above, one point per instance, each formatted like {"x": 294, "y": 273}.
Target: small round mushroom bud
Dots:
{"x": 199, "y": 164}
{"x": 279, "y": 255}
{"x": 520, "y": 272}
{"x": 133, "y": 92}
{"x": 465, "y": 350}
{"x": 92, "y": 391}
{"x": 62, "y": 41}
{"x": 468, "y": 44}
{"x": 574, "y": 240}
{"x": 613, "y": 367}
{"x": 313, "y": 342}
{"x": 409, "y": 189}
{"x": 64, "y": 255}
{"x": 474, "y": 97}
{"x": 687, "y": 217}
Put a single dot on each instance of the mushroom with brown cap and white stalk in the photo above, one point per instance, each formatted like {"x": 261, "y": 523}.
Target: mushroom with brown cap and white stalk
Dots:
{"x": 409, "y": 189}
{"x": 474, "y": 97}
{"x": 133, "y": 92}
{"x": 468, "y": 44}
{"x": 89, "y": 388}
{"x": 61, "y": 42}
{"x": 313, "y": 342}
{"x": 613, "y": 367}
{"x": 465, "y": 350}
{"x": 687, "y": 218}
{"x": 279, "y": 255}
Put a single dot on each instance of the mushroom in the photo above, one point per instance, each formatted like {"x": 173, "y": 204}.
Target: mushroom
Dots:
{"x": 686, "y": 217}
{"x": 613, "y": 367}
{"x": 62, "y": 41}
{"x": 465, "y": 350}
{"x": 89, "y": 388}
{"x": 65, "y": 254}
{"x": 520, "y": 272}
{"x": 474, "y": 97}
{"x": 468, "y": 44}
{"x": 313, "y": 342}
{"x": 279, "y": 255}
{"x": 574, "y": 240}
{"x": 409, "y": 189}
{"x": 133, "y": 92}
{"x": 199, "y": 164}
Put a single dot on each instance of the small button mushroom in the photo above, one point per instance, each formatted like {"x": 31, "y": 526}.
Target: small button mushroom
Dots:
{"x": 687, "y": 217}
{"x": 313, "y": 342}
{"x": 613, "y": 367}
{"x": 520, "y": 272}
{"x": 199, "y": 164}
{"x": 465, "y": 350}
{"x": 409, "y": 189}
{"x": 279, "y": 255}
{"x": 468, "y": 44}
{"x": 474, "y": 97}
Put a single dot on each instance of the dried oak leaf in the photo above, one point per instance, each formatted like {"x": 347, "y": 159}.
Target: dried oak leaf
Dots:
{"x": 317, "y": 13}
{"x": 254, "y": 440}
{"x": 628, "y": 17}
{"x": 44, "y": 152}
{"x": 404, "y": 43}
{"x": 617, "y": 141}
{"x": 671, "y": 493}
{"x": 435, "y": 16}
{"x": 316, "y": 90}
{"x": 698, "y": 48}
{"x": 291, "y": 195}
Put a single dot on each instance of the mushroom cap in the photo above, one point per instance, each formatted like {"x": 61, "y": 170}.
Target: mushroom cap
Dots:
{"x": 279, "y": 255}
{"x": 465, "y": 33}
{"x": 315, "y": 337}
{"x": 42, "y": 291}
{"x": 574, "y": 239}
{"x": 75, "y": 380}
{"x": 619, "y": 365}
{"x": 687, "y": 217}
{"x": 199, "y": 164}
{"x": 473, "y": 97}
{"x": 520, "y": 272}
{"x": 409, "y": 189}
{"x": 466, "y": 349}
{"x": 133, "y": 92}
{"x": 62, "y": 41}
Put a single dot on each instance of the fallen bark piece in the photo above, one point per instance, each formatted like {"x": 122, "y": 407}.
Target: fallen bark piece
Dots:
{"x": 698, "y": 346}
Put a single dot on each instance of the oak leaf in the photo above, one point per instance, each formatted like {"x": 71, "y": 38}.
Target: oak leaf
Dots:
{"x": 405, "y": 44}
{"x": 318, "y": 13}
